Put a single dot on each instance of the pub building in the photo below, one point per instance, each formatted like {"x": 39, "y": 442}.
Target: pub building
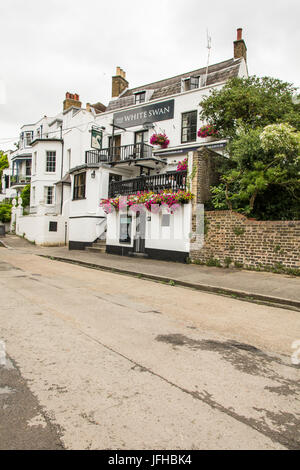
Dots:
{"x": 115, "y": 155}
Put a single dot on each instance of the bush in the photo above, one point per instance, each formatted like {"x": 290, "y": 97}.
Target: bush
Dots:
{"x": 25, "y": 195}
{"x": 5, "y": 212}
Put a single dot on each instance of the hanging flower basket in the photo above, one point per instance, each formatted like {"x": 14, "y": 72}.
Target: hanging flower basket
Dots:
{"x": 207, "y": 131}
{"x": 182, "y": 165}
{"x": 160, "y": 140}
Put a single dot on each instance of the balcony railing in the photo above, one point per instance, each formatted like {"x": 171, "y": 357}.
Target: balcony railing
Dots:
{"x": 174, "y": 180}
{"x": 19, "y": 179}
{"x": 116, "y": 154}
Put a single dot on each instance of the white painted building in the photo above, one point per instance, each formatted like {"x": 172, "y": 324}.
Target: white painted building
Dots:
{"x": 6, "y": 191}
{"x": 85, "y": 154}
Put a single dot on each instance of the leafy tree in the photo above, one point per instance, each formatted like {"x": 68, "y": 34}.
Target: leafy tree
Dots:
{"x": 3, "y": 165}
{"x": 3, "y": 160}
{"x": 25, "y": 195}
{"x": 251, "y": 102}
{"x": 261, "y": 120}
{"x": 261, "y": 160}
{"x": 5, "y": 212}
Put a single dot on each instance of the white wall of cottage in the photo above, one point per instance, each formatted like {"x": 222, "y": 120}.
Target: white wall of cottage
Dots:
{"x": 40, "y": 177}
{"x": 175, "y": 237}
{"x": 35, "y": 228}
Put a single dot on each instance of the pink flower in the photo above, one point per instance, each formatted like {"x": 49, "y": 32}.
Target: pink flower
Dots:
{"x": 207, "y": 131}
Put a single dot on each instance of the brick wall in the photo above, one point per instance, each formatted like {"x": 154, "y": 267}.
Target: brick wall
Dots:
{"x": 119, "y": 84}
{"x": 247, "y": 241}
{"x": 207, "y": 163}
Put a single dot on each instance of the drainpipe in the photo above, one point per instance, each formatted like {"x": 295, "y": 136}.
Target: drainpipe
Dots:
{"x": 62, "y": 197}
{"x": 112, "y": 141}
{"x": 61, "y": 171}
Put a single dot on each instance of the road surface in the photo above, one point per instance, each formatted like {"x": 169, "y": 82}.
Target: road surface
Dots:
{"x": 98, "y": 360}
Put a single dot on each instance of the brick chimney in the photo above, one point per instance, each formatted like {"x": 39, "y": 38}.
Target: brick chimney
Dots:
{"x": 239, "y": 46}
{"x": 119, "y": 83}
{"x": 71, "y": 100}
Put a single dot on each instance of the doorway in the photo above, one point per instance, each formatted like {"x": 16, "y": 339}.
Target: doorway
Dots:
{"x": 140, "y": 232}
{"x": 140, "y": 138}
{"x": 114, "y": 148}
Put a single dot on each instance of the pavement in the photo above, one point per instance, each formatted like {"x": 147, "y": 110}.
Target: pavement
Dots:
{"x": 267, "y": 287}
{"x": 107, "y": 361}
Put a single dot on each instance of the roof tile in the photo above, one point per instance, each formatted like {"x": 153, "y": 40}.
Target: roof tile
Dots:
{"x": 217, "y": 73}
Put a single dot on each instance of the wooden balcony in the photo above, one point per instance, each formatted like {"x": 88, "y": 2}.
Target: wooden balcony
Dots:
{"x": 174, "y": 180}
{"x": 117, "y": 154}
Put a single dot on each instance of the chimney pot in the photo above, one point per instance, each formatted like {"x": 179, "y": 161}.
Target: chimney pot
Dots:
{"x": 72, "y": 99}
{"x": 119, "y": 82}
{"x": 239, "y": 46}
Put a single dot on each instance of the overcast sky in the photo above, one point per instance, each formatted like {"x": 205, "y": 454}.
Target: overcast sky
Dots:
{"x": 50, "y": 47}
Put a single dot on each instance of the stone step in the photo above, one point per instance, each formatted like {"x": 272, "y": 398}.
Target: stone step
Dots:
{"x": 138, "y": 255}
{"x": 96, "y": 249}
{"x": 100, "y": 243}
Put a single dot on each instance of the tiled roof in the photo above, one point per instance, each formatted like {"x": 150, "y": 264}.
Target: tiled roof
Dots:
{"x": 217, "y": 73}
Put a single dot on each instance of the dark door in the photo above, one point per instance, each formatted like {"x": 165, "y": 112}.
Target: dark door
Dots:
{"x": 140, "y": 232}
{"x": 140, "y": 138}
{"x": 114, "y": 148}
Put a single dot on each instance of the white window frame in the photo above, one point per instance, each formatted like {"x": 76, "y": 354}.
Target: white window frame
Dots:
{"x": 138, "y": 94}
{"x": 34, "y": 163}
{"x": 49, "y": 195}
{"x": 51, "y": 163}
{"x": 33, "y": 196}
{"x": 28, "y": 138}
{"x": 69, "y": 156}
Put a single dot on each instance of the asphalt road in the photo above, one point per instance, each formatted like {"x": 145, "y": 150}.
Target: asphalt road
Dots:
{"x": 98, "y": 360}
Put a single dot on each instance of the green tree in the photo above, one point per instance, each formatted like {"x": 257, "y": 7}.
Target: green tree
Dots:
{"x": 5, "y": 212}
{"x": 3, "y": 165}
{"x": 260, "y": 118}
{"x": 261, "y": 159}
{"x": 251, "y": 102}
{"x": 25, "y": 195}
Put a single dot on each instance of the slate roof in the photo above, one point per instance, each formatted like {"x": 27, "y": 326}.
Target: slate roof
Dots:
{"x": 217, "y": 73}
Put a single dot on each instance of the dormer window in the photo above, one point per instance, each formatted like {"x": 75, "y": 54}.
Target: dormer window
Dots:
{"x": 194, "y": 82}
{"x": 28, "y": 138}
{"x": 190, "y": 83}
{"x": 140, "y": 97}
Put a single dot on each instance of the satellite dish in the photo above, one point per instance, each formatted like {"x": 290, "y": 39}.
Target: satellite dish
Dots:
{"x": 148, "y": 125}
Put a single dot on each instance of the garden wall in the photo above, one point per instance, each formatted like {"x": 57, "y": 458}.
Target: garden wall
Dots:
{"x": 232, "y": 238}
{"x": 36, "y": 229}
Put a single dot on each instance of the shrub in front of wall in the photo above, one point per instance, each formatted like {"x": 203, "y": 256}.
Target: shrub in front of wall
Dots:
{"x": 238, "y": 265}
{"x": 238, "y": 230}
{"x": 213, "y": 262}
{"x": 227, "y": 262}
{"x": 5, "y": 212}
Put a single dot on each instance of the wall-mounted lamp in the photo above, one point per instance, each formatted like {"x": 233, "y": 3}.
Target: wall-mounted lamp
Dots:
{"x": 93, "y": 174}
